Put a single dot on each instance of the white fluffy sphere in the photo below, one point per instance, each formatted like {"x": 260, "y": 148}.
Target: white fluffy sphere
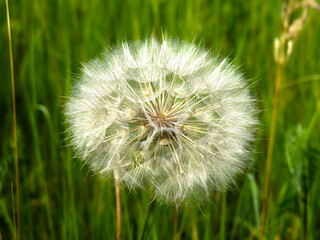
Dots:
{"x": 167, "y": 115}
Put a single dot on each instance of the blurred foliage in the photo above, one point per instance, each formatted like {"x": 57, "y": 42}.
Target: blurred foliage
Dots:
{"x": 61, "y": 199}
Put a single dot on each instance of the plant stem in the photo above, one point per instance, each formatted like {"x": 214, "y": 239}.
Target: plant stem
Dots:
{"x": 270, "y": 146}
{"x": 151, "y": 207}
{"x": 14, "y": 215}
{"x": 118, "y": 203}
{"x": 175, "y": 224}
{"x": 194, "y": 228}
{"x": 223, "y": 216}
{"x": 14, "y": 120}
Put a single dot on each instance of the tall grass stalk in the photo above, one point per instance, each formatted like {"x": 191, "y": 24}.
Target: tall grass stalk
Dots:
{"x": 14, "y": 121}
{"x": 270, "y": 147}
{"x": 283, "y": 47}
{"x": 223, "y": 216}
{"x": 151, "y": 207}
{"x": 118, "y": 203}
{"x": 14, "y": 217}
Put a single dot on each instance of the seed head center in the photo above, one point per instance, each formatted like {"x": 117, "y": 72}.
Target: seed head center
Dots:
{"x": 160, "y": 119}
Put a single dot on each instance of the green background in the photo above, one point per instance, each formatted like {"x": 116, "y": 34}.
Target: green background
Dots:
{"x": 61, "y": 199}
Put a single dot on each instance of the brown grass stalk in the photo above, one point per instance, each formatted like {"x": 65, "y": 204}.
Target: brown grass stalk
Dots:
{"x": 270, "y": 147}
{"x": 14, "y": 121}
{"x": 283, "y": 48}
{"x": 118, "y": 203}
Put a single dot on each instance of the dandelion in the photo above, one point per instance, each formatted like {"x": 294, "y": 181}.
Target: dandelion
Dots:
{"x": 167, "y": 115}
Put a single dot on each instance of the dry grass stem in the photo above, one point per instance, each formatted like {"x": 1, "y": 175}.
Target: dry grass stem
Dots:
{"x": 118, "y": 203}
{"x": 14, "y": 120}
{"x": 283, "y": 47}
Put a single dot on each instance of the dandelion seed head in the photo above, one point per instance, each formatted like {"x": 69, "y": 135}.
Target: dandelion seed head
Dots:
{"x": 167, "y": 115}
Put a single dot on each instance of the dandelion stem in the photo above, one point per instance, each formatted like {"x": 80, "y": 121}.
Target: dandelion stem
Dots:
{"x": 270, "y": 146}
{"x": 194, "y": 228}
{"x": 14, "y": 120}
{"x": 175, "y": 224}
{"x": 118, "y": 203}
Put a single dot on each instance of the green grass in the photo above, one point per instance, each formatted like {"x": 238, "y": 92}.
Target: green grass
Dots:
{"x": 61, "y": 199}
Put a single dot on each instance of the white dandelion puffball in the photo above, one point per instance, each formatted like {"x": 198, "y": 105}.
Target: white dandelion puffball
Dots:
{"x": 167, "y": 115}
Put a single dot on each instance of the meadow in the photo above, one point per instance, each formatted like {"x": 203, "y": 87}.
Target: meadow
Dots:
{"x": 60, "y": 198}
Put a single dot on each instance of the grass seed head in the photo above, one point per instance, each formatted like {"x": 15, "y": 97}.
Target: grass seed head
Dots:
{"x": 167, "y": 115}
